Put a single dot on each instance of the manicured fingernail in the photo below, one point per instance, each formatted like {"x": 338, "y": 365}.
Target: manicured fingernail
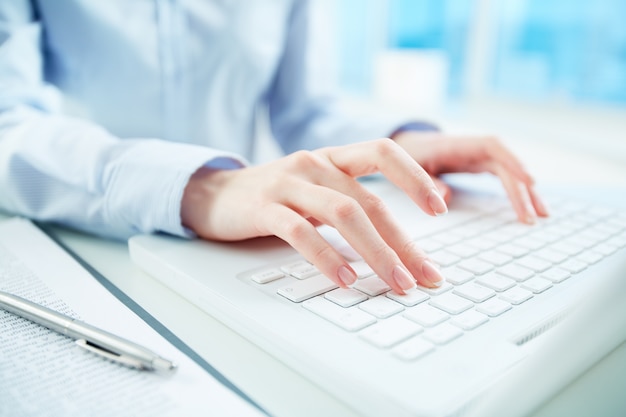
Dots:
{"x": 432, "y": 273}
{"x": 346, "y": 276}
{"x": 437, "y": 203}
{"x": 403, "y": 278}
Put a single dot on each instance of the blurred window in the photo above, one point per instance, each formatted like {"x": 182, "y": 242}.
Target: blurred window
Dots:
{"x": 555, "y": 50}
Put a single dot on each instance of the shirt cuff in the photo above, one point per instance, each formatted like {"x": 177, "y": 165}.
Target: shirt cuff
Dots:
{"x": 150, "y": 182}
{"x": 415, "y": 126}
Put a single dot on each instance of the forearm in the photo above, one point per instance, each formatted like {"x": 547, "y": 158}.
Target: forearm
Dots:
{"x": 55, "y": 168}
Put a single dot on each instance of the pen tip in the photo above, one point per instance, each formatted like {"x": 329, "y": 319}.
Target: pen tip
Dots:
{"x": 161, "y": 364}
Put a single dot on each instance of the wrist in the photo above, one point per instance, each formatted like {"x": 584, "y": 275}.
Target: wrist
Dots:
{"x": 198, "y": 196}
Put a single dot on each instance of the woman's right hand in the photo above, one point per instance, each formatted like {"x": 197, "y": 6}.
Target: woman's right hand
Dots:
{"x": 291, "y": 195}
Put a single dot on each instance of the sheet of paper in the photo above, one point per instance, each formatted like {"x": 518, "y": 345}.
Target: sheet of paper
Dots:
{"x": 43, "y": 373}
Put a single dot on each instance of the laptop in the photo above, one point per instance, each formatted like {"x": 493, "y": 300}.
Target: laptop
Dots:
{"x": 516, "y": 298}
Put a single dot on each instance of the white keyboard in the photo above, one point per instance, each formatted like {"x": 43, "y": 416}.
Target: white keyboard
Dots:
{"x": 491, "y": 264}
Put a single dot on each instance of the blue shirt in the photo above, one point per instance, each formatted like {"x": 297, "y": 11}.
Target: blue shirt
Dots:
{"x": 108, "y": 107}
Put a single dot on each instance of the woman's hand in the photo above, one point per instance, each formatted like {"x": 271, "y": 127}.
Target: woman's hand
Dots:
{"x": 289, "y": 196}
{"x": 439, "y": 154}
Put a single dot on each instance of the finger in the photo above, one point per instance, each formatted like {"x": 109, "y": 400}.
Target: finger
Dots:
{"x": 387, "y": 157}
{"x": 502, "y": 155}
{"x": 345, "y": 214}
{"x": 304, "y": 237}
{"x": 444, "y": 189}
{"x": 415, "y": 259}
{"x": 518, "y": 194}
{"x": 537, "y": 203}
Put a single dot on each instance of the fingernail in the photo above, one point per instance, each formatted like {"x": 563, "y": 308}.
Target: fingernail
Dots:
{"x": 403, "y": 278}
{"x": 346, "y": 276}
{"x": 437, "y": 203}
{"x": 432, "y": 273}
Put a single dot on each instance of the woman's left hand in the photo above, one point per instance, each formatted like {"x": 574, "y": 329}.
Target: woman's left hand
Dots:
{"x": 438, "y": 154}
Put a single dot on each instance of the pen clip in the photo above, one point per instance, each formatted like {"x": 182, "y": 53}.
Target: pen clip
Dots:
{"x": 108, "y": 354}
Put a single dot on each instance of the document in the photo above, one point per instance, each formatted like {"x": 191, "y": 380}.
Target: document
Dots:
{"x": 43, "y": 373}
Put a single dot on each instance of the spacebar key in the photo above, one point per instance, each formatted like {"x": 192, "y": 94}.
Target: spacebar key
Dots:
{"x": 305, "y": 289}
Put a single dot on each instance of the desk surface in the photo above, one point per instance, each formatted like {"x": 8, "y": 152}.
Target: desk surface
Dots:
{"x": 285, "y": 393}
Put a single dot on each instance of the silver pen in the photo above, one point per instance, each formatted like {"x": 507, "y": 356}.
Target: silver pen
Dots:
{"x": 88, "y": 337}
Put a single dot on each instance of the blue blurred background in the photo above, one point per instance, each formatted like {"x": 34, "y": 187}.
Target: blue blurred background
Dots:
{"x": 565, "y": 51}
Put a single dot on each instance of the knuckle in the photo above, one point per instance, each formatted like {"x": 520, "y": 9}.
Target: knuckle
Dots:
{"x": 304, "y": 159}
{"x": 322, "y": 255}
{"x": 386, "y": 147}
{"x": 410, "y": 248}
{"x": 373, "y": 204}
{"x": 344, "y": 208}
{"x": 381, "y": 252}
{"x": 297, "y": 231}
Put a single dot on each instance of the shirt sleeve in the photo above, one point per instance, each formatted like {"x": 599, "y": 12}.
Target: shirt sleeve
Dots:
{"x": 305, "y": 112}
{"x": 66, "y": 170}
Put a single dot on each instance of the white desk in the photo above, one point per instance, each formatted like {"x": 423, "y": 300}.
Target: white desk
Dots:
{"x": 286, "y": 394}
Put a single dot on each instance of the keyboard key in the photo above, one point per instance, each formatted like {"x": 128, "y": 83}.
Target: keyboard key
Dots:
{"x": 493, "y": 307}
{"x": 451, "y": 303}
{"x": 537, "y": 285}
{"x": 593, "y": 236}
{"x": 551, "y": 255}
{"x": 517, "y": 272}
{"x": 606, "y": 249}
{"x": 497, "y": 236}
{"x": 267, "y": 276}
{"x": 444, "y": 258}
{"x": 429, "y": 245}
{"x": 372, "y": 286}
{"x": 362, "y": 269}
{"x": 463, "y": 250}
{"x": 581, "y": 241}
{"x": 445, "y": 286}
{"x": 513, "y": 250}
{"x": 619, "y": 241}
{"x": 381, "y": 307}
{"x": 516, "y": 229}
{"x": 410, "y": 299}
{"x": 567, "y": 248}
{"x": 529, "y": 242}
{"x": 351, "y": 319}
{"x": 590, "y": 257}
{"x": 456, "y": 276}
{"x": 482, "y": 243}
{"x": 556, "y": 275}
{"x": 534, "y": 263}
{"x": 495, "y": 281}
{"x": 387, "y": 333}
{"x": 304, "y": 271}
{"x": 543, "y": 236}
{"x": 426, "y": 315}
{"x": 442, "y": 334}
{"x": 474, "y": 292}
{"x": 573, "y": 265}
{"x": 345, "y": 297}
{"x": 516, "y": 295}
{"x": 448, "y": 237}
{"x": 469, "y": 320}
{"x": 413, "y": 349}
{"x": 495, "y": 258}
{"x": 301, "y": 290}
{"x": 475, "y": 266}
{"x": 294, "y": 266}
